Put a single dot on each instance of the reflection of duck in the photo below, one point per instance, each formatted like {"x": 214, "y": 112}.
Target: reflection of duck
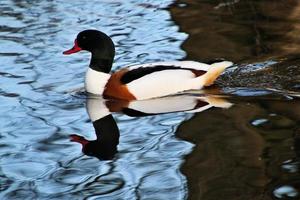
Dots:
{"x": 99, "y": 107}
{"x": 105, "y": 146}
{"x": 141, "y": 81}
{"x": 106, "y": 129}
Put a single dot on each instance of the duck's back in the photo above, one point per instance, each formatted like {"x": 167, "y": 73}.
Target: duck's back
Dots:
{"x": 164, "y": 78}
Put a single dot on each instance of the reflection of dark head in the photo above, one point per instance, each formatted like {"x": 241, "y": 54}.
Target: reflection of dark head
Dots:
{"x": 105, "y": 146}
{"x": 100, "y": 150}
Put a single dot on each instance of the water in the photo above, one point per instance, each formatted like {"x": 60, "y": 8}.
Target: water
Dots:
{"x": 251, "y": 147}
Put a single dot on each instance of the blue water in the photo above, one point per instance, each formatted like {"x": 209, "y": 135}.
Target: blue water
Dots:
{"x": 40, "y": 110}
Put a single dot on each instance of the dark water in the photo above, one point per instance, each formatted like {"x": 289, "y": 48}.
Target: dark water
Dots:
{"x": 249, "y": 151}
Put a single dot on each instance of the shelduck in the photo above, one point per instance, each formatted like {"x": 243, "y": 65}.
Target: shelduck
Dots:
{"x": 143, "y": 81}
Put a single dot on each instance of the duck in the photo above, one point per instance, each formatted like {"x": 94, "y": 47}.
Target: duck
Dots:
{"x": 142, "y": 81}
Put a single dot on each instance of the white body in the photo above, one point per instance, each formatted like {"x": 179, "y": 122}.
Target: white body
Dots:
{"x": 161, "y": 83}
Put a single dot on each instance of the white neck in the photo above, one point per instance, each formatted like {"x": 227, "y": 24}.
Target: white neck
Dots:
{"x": 95, "y": 81}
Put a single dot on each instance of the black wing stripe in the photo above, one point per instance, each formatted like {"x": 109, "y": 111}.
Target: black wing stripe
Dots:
{"x": 143, "y": 71}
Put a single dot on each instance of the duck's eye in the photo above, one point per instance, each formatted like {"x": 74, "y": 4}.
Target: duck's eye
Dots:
{"x": 83, "y": 37}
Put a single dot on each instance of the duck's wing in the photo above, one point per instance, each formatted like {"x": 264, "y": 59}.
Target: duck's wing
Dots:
{"x": 158, "y": 83}
{"x": 150, "y": 81}
{"x": 179, "y": 64}
{"x": 161, "y": 79}
{"x": 135, "y": 73}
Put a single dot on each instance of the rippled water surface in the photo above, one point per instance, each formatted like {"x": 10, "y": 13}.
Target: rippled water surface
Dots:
{"x": 248, "y": 151}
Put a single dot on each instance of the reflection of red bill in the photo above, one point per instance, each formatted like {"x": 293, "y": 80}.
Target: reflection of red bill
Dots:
{"x": 74, "y": 49}
{"x": 79, "y": 139}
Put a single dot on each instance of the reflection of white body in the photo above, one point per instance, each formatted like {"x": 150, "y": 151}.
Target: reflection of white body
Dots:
{"x": 97, "y": 107}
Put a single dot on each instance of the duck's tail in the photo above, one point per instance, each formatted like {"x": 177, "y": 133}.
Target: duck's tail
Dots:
{"x": 214, "y": 72}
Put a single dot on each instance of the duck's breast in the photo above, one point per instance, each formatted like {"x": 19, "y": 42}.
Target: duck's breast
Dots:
{"x": 95, "y": 81}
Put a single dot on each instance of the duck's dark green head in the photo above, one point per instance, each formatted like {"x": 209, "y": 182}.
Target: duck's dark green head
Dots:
{"x": 99, "y": 44}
